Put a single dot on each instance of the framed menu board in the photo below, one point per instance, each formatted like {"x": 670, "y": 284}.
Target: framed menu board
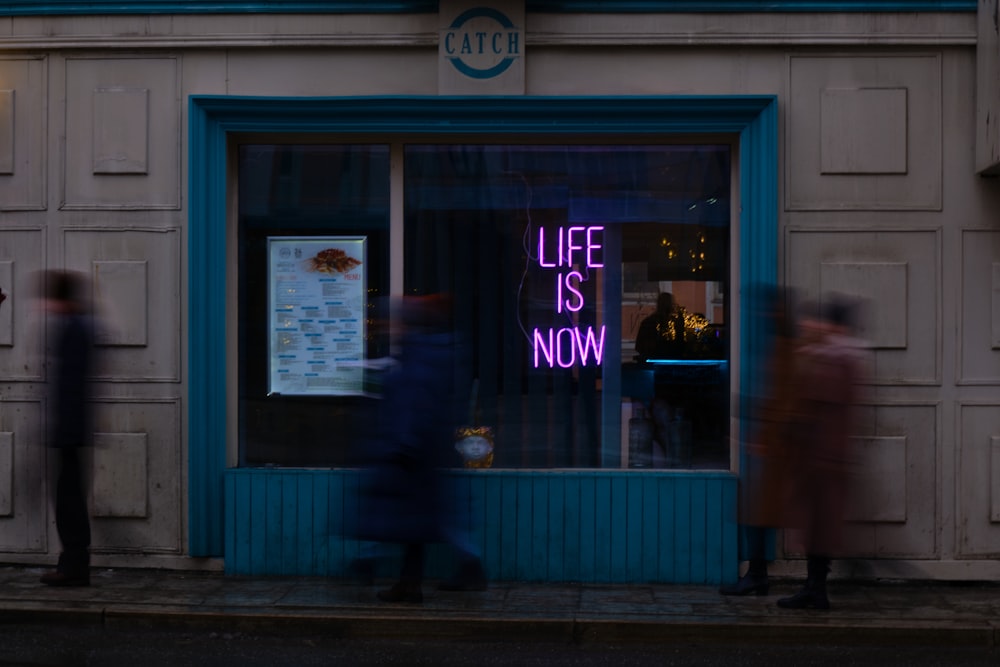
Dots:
{"x": 317, "y": 297}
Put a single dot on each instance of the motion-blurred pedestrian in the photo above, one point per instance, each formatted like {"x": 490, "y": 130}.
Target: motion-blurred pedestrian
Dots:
{"x": 765, "y": 476}
{"x": 406, "y": 496}
{"x": 827, "y": 390}
{"x": 66, "y": 300}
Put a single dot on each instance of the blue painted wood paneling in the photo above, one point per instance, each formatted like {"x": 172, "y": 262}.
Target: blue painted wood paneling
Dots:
{"x": 617, "y": 524}
{"x": 666, "y": 561}
{"x": 571, "y": 528}
{"x": 524, "y": 537}
{"x": 634, "y": 518}
{"x": 650, "y": 515}
{"x": 321, "y": 522}
{"x": 698, "y": 530}
{"x": 681, "y": 526}
{"x": 540, "y": 528}
{"x": 589, "y": 526}
{"x": 272, "y": 517}
{"x": 555, "y": 536}
{"x": 507, "y": 529}
{"x": 602, "y": 529}
{"x": 304, "y": 501}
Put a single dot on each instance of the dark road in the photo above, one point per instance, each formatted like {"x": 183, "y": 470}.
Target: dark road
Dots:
{"x": 86, "y": 646}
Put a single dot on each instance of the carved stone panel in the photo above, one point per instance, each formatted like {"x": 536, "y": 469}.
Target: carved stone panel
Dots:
{"x": 122, "y": 134}
{"x": 136, "y": 278}
{"x": 121, "y": 131}
{"x": 23, "y": 110}
{"x": 6, "y": 474}
{"x": 880, "y": 477}
{"x": 120, "y": 487}
{"x": 124, "y": 285}
{"x": 864, "y": 133}
{"x": 895, "y": 275}
{"x": 978, "y": 515}
{"x": 892, "y": 502}
{"x": 24, "y": 489}
{"x": 979, "y": 322}
{"x": 136, "y": 492}
{"x": 21, "y": 351}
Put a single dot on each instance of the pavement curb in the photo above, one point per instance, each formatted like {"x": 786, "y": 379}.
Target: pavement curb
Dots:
{"x": 400, "y": 623}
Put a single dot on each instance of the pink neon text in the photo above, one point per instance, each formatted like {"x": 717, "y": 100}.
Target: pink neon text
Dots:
{"x": 567, "y": 346}
{"x": 574, "y": 245}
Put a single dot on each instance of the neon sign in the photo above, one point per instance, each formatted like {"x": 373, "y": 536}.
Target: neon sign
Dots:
{"x": 568, "y": 250}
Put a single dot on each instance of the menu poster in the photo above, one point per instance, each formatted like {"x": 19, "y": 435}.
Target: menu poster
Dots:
{"x": 317, "y": 310}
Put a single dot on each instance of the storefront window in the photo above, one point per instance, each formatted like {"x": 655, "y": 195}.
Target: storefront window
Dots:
{"x": 590, "y": 285}
{"x": 313, "y": 266}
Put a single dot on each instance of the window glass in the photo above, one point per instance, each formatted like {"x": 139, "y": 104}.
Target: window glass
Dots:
{"x": 590, "y": 286}
{"x": 313, "y": 264}
{"x": 556, "y": 258}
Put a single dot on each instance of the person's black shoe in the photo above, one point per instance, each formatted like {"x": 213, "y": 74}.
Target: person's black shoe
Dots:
{"x": 471, "y": 577}
{"x": 402, "y": 592}
{"x": 748, "y": 585}
{"x": 807, "y": 598}
{"x": 59, "y": 578}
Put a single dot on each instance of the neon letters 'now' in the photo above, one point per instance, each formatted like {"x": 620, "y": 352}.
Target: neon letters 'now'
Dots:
{"x": 568, "y": 346}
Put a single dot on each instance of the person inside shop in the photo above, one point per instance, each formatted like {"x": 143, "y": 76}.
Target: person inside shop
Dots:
{"x": 407, "y": 498}
{"x": 65, "y": 301}
{"x": 661, "y": 334}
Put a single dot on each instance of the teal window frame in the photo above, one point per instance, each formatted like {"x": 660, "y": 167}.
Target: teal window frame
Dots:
{"x": 212, "y": 119}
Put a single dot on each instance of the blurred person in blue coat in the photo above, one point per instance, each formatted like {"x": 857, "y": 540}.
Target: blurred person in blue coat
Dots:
{"x": 766, "y": 475}
{"x": 65, "y": 296}
{"x": 406, "y": 498}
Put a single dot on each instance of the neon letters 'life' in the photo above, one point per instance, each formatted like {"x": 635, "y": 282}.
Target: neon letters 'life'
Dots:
{"x": 574, "y": 246}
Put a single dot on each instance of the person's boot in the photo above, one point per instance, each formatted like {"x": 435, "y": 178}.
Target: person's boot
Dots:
{"x": 403, "y": 591}
{"x": 470, "y": 577}
{"x": 813, "y": 594}
{"x": 754, "y": 582}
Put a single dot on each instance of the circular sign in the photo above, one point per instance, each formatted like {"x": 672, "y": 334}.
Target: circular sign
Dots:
{"x": 482, "y": 43}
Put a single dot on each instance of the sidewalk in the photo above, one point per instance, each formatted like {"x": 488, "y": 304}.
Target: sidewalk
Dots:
{"x": 863, "y": 613}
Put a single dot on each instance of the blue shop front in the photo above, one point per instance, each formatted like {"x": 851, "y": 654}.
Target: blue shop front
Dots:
{"x": 554, "y": 223}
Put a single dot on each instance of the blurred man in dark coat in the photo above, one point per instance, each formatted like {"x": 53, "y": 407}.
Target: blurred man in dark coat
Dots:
{"x": 69, "y": 427}
{"x": 406, "y": 497}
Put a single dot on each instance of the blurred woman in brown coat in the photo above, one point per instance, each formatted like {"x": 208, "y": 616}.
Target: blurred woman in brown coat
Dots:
{"x": 828, "y": 381}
